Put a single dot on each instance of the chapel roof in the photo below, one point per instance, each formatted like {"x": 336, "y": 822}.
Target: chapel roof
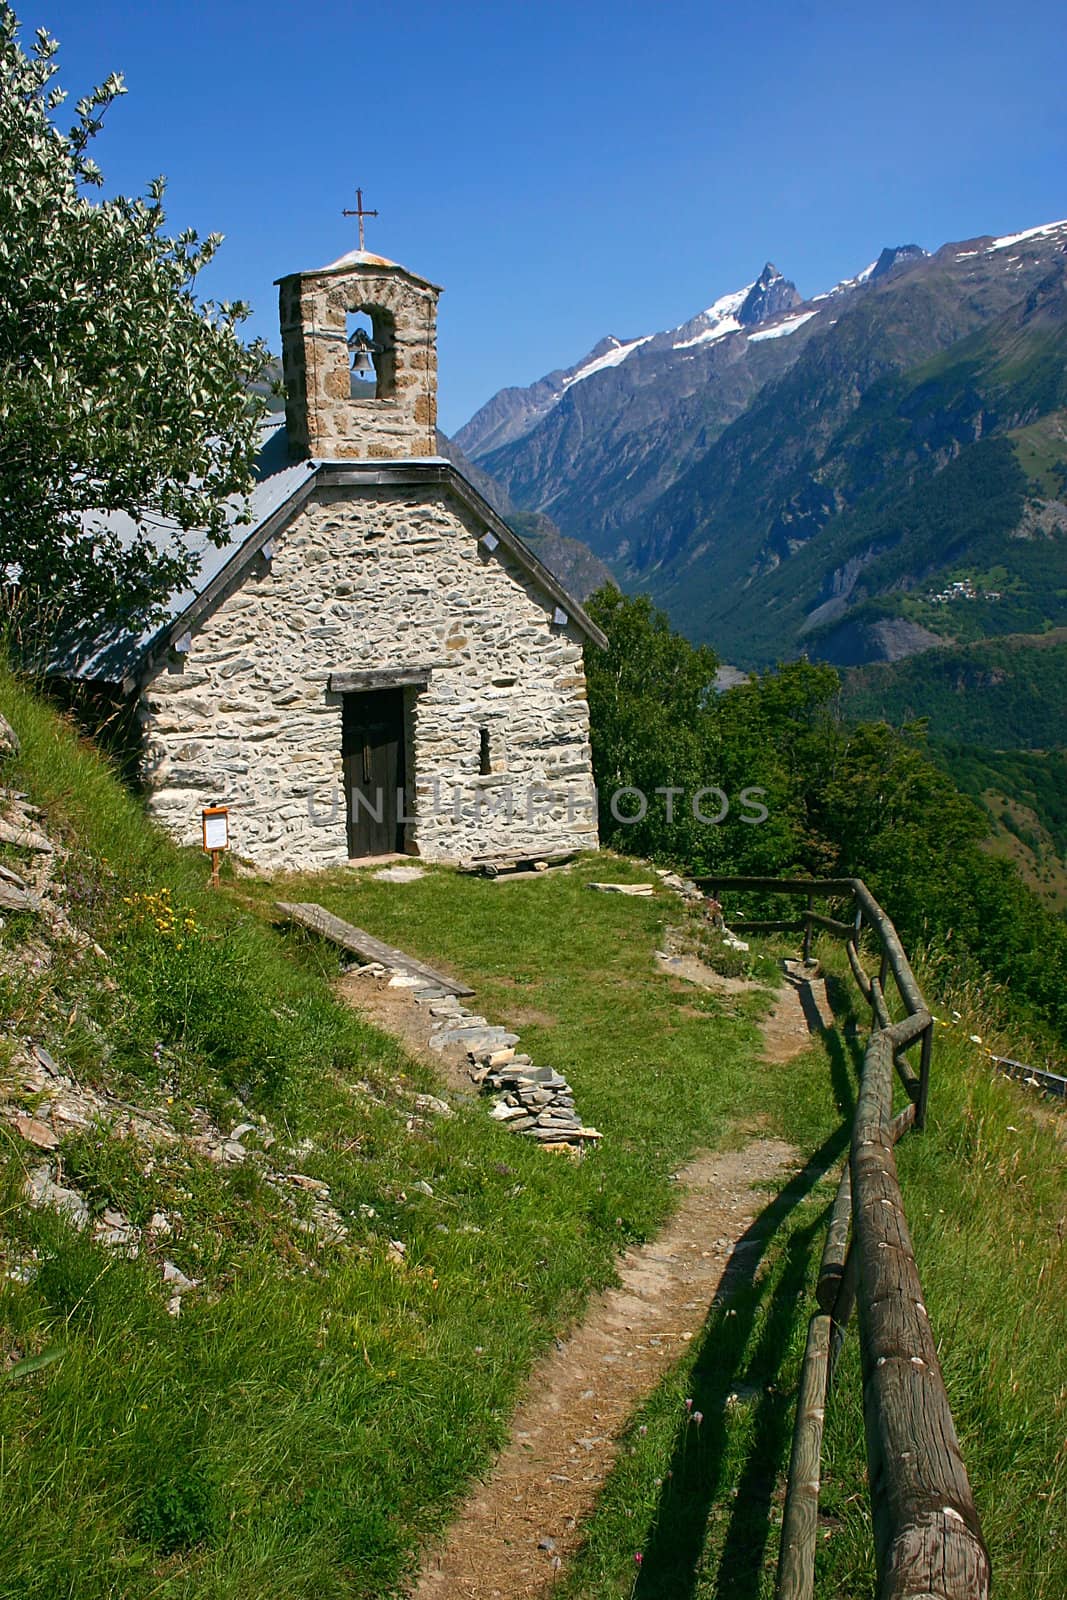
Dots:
{"x": 366, "y": 259}
{"x": 115, "y": 655}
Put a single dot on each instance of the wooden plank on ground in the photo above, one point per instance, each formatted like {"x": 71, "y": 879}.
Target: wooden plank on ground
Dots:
{"x": 363, "y": 944}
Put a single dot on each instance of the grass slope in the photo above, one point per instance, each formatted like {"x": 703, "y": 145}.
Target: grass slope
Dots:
{"x": 318, "y": 1408}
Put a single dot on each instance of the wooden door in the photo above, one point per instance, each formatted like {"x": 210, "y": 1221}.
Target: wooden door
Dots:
{"x": 372, "y": 748}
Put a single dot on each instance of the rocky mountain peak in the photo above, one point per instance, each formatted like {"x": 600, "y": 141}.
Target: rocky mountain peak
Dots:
{"x": 770, "y": 294}
{"x": 895, "y": 256}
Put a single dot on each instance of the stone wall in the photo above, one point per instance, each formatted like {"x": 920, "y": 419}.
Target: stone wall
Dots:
{"x": 372, "y": 579}
{"x": 323, "y": 421}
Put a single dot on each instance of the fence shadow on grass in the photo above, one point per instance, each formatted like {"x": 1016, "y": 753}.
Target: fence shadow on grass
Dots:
{"x": 733, "y": 1372}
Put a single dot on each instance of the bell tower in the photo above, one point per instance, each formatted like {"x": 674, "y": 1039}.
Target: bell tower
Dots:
{"x": 331, "y": 413}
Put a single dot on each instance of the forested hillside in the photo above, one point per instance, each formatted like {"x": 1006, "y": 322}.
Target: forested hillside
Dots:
{"x": 1008, "y": 693}
{"x": 996, "y": 713}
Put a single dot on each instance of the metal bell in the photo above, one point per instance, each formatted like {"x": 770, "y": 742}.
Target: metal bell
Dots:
{"x": 362, "y": 365}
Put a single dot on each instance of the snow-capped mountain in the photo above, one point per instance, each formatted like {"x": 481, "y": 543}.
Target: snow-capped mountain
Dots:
{"x": 712, "y": 461}
{"x": 513, "y": 413}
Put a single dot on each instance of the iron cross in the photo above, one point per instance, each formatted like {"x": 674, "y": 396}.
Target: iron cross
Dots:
{"x": 360, "y": 213}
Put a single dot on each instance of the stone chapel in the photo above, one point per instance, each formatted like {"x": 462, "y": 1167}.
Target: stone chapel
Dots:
{"x": 376, "y": 663}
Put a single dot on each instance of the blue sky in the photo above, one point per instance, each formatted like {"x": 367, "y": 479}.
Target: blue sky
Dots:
{"x": 572, "y": 170}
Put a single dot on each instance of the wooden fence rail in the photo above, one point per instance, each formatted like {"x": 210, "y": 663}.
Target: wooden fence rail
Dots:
{"x": 928, "y": 1542}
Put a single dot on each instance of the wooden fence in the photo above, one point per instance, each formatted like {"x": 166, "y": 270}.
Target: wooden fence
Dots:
{"x": 928, "y": 1543}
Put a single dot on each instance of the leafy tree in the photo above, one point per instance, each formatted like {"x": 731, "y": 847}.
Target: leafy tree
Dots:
{"x": 647, "y": 694}
{"x": 658, "y": 724}
{"x": 119, "y": 391}
{"x": 779, "y": 731}
{"x": 864, "y": 800}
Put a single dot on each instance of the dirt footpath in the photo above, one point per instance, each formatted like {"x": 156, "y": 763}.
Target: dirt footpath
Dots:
{"x": 510, "y": 1539}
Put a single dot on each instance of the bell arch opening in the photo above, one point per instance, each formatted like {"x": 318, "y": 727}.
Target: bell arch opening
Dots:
{"x": 370, "y": 332}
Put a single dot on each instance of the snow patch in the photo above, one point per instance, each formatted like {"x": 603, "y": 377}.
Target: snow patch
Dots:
{"x": 1028, "y": 233}
{"x": 611, "y": 358}
{"x": 719, "y": 331}
{"x": 727, "y": 304}
{"x": 848, "y": 283}
{"x": 721, "y": 319}
{"x": 790, "y": 325}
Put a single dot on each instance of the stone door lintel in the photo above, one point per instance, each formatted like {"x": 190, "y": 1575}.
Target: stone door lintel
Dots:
{"x": 378, "y": 678}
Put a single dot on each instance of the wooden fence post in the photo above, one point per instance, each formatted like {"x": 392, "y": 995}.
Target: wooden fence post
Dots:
{"x": 927, "y": 1536}
{"x": 926, "y": 1053}
{"x": 928, "y": 1539}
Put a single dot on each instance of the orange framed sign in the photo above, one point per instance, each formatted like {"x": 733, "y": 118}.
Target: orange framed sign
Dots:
{"x": 216, "y": 820}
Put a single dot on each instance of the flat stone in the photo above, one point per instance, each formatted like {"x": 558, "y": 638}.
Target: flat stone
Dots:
{"x": 175, "y": 1275}
{"x": 14, "y": 899}
{"x": 461, "y": 1019}
{"x": 300, "y": 1180}
{"x": 399, "y": 874}
{"x": 25, "y": 838}
{"x": 431, "y": 1103}
{"x": 43, "y": 1191}
{"x": 502, "y": 1112}
{"x": 643, "y": 889}
{"x": 36, "y": 1133}
{"x": 472, "y": 1038}
{"x": 500, "y": 1058}
{"x": 116, "y": 1231}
